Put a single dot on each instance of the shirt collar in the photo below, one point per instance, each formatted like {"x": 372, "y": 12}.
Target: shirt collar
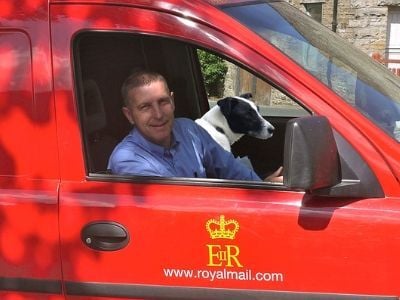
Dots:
{"x": 140, "y": 140}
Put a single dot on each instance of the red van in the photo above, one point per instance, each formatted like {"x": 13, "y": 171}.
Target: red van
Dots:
{"x": 71, "y": 230}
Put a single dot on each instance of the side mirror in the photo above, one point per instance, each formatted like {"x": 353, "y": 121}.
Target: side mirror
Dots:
{"x": 311, "y": 159}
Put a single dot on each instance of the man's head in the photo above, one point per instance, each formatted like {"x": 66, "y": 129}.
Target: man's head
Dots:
{"x": 149, "y": 105}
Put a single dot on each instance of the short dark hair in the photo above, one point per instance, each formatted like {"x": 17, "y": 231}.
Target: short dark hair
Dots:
{"x": 138, "y": 78}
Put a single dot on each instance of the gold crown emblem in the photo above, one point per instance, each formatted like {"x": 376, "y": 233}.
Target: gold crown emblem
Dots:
{"x": 222, "y": 229}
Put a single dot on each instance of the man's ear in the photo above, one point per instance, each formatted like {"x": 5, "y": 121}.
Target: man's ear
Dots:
{"x": 173, "y": 100}
{"x": 126, "y": 111}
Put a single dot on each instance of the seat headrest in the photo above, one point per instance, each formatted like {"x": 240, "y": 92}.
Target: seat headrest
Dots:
{"x": 95, "y": 117}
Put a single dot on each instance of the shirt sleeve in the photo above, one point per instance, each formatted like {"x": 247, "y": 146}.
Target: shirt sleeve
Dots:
{"x": 220, "y": 163}
{"x": 124, "y": 162}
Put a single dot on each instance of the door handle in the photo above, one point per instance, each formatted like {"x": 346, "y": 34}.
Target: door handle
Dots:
{"x": 104, "y": 236}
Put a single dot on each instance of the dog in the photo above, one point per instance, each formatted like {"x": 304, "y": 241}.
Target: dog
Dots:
{"x": 234, "y": 117}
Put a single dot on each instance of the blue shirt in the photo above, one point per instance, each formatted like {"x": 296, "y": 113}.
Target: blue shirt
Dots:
{"x": 193, "y": 154}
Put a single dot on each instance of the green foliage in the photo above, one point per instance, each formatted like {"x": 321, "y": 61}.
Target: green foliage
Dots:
{"x": 214, "y": 70}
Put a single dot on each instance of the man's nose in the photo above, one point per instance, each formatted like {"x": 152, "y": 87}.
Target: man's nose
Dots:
{"x": 157, "y": 111}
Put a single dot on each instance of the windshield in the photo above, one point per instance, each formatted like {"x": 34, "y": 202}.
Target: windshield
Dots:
{"x": 368, "y": 86}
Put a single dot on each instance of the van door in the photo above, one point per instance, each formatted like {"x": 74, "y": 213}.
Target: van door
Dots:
{"x": 189, "y": 238}
{"x": 30, "y": 266}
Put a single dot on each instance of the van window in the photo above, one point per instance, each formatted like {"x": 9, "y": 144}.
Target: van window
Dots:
{"x": 198, "y": 79}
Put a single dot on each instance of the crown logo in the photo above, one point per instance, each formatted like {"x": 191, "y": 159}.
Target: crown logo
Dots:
{"x": 222, "y": 229}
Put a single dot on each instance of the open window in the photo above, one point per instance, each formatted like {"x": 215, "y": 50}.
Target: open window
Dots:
{"x": 104, "y": 60}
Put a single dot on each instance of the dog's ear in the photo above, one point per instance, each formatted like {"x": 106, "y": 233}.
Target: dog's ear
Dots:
{"x": 248, "y": 96}
{"x": 226, "y": 105}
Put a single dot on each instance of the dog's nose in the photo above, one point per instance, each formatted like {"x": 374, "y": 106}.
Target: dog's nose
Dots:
{"x": 271, "y": 130}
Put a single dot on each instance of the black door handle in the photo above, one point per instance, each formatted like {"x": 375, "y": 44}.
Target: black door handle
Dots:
{"x": 105, "y": 236}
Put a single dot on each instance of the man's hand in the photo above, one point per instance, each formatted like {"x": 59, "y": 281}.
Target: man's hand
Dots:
{"x": 277, "y": 176}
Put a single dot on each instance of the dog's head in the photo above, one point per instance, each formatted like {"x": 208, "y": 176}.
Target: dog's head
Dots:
{"x": 243, "y": 117}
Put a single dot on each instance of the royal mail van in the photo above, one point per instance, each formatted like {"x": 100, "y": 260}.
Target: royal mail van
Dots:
{"x": 69, "y": 229}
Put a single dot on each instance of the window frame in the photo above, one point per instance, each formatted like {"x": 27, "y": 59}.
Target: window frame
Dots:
{"x": 105, "y": 175}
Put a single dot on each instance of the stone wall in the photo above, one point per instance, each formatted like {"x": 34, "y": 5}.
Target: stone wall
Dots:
{"x": 362, "y": 22}
{"x": 369, "y": 26}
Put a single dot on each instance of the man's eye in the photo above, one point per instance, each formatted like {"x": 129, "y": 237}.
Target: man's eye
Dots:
{"x": 144, "y": 107}
{"x": 165, "y": 101}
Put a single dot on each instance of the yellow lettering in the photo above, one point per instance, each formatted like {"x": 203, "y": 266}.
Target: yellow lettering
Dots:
{"x": 213, "y": 254}
{"x": 217, "y": 255}
{"x": 232, "y": 255}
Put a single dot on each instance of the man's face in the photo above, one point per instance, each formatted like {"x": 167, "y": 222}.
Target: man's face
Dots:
{"x": 151, "y": 110}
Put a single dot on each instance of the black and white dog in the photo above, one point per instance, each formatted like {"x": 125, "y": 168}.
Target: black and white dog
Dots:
{"x": 234, "y": 117}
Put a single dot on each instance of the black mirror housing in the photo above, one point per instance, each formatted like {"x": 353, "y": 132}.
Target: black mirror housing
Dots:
{"x": 311, "y": 159}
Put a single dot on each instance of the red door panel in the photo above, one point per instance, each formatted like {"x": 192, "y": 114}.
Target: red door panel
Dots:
{"x": 174, "y": 230}
{"x": 213, "y": 237}
{"x": 30, "y": 266}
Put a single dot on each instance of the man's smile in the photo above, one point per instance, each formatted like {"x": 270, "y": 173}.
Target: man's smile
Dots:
{"x": 159, "y": 125}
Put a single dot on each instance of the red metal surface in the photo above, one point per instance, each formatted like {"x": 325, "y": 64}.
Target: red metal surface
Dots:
{"x": 29, "y": 243}
{"x": 317, "y": 245}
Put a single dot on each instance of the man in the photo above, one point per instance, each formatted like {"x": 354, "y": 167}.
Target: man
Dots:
{"x": 160, "y": 145}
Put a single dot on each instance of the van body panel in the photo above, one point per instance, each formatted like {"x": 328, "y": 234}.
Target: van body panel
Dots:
{"x": 71, "y": 230}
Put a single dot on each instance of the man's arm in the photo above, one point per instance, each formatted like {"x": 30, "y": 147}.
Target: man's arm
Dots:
{"x": 124, "y": 162}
